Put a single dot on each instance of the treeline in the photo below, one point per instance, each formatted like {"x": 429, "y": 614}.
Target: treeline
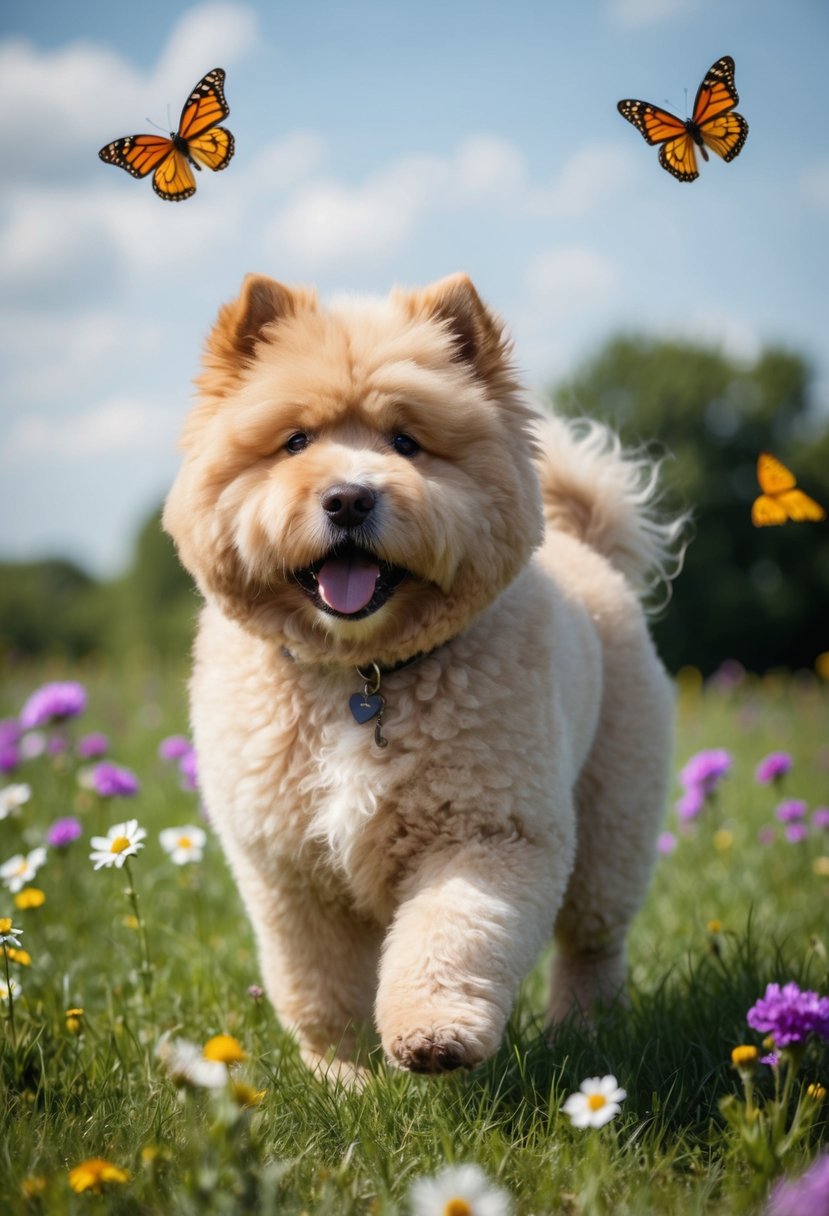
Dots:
{"x": 759, "y": 596}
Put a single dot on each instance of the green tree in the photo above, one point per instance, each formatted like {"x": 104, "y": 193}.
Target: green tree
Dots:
{"x": 155, "y": 603}
{"x": 50, "y": 606}
{"x": 755, "y": 595}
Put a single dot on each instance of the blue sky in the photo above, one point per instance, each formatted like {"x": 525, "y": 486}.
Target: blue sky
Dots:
{"x": 377, "y": 143}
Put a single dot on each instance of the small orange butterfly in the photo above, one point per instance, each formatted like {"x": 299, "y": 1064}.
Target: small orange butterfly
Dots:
{"x": 198, "y": 139}
{"x": 781, "y": 500}
{"x": 713, "y": 124}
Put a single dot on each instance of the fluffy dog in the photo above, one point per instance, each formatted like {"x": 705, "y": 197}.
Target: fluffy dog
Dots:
{"x": 431, "y": 726}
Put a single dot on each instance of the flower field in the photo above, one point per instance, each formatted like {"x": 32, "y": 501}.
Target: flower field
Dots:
{"x": 144, "y": 1072}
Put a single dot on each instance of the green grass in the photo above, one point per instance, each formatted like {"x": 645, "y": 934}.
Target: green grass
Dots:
{"x": 314, "y": 1148}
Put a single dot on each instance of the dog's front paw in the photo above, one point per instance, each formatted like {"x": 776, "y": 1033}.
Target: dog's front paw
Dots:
{"x": 434, "y": 1051}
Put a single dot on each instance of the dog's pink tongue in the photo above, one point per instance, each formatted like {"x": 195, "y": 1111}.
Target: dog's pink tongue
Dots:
{"x": 347, "y": 583}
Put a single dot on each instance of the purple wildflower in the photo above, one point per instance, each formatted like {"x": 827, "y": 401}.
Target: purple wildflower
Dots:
{"x": 174, "y": 747}
{"x": 789, "y": 1014}
{"x": 773, "y": 768}
{"x": 793, "y": 810}
{"x": 63, "y": 832}
{"x": 10, "y": 731}
{"x": 188, "y": 769}
{"x": 90, "y": 747}
{"x": 690, "y": 804}
{"x": 53, "y": 702}
{"x": 820, "y": 817}
{"x": 666, "y": 843}
{"x": 795, "y": 832}
{"x": 704, "y": 770}
{"x": 113, "y": 781}
{"x": 772, "y": 1059}
{"x": 9, "y": 745}
{"x": 255, "y": 992}
{"x": 807, "y": 1195}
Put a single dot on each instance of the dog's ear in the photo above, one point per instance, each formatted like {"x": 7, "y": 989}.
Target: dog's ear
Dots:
{"x": 477, "y": 333}
{"x": 242, "y": 324}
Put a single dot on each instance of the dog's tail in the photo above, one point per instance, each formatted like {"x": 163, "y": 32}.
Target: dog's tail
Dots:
{"x": 608, "y": 497}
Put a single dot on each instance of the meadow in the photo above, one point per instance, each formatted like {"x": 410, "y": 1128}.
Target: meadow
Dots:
{"x": 115, "y": 961}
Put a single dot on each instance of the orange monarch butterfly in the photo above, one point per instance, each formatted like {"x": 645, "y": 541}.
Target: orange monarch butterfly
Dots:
{"x": 714, "y": 124}
{"x": 781, "y": 500}
{"x": 198, "y": 139}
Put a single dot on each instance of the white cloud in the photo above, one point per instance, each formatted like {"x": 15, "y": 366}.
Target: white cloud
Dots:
{"x": 592, "y": 173}
{"x": 328, "y": 222}
{"x": 636, "y": 13}
{"x": 735, "y": 336}
{"x": 204, "y": 37}
{"x": 119, "y": 425}
{"x": 571, "y": 279}
{"x": 49, "y": 355}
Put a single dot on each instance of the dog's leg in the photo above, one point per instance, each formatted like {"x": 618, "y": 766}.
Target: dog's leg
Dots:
{"x": 468, "y": 930}
{"x": 620, "y": 802}
{"x": 319, "y": 965}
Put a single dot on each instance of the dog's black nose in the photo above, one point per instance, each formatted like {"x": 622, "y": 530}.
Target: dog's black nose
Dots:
{"x": 348, "y": 506}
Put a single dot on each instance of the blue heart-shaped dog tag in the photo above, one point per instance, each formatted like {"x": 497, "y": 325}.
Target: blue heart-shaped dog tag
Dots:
{"x": 365, "y": 706}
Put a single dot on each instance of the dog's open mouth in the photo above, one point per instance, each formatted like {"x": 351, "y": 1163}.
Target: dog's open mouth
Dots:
{"x": 349, "y": 582}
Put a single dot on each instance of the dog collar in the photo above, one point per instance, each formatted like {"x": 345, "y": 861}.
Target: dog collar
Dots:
{"x": 370, "y": 704}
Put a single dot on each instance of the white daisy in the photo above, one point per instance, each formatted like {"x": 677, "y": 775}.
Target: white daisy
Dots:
{"x": 19, "y": 870}
{"x": 183, "y": 844}
{"x": 12, "y": 798}
{"x": 186, "y": 1064}
{"x": 11, "y": 987}
{"x": 459, "y": 1190}
{"x": 121, "y": 841}
{"x": 8, "y": 933}
{"x": 596, "y": 1103}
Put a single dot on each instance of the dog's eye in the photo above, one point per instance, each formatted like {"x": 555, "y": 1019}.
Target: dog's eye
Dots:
{"x": 297, "y": 443}
{"x": 404, "y": 445}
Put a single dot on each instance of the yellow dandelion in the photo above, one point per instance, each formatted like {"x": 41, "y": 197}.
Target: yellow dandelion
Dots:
{"x": 29, "y": 897}
{"x": 744, "y": 1056}
{"x": 34, "y": 1186}
{"x": 225, "y": 1049}
{"x": 74, "y": 1020}
{"x": 21, "y": 957}
{"x": 245, "y": 1095}
{"x": 91, "y": 1175}
{"x": 715, "y": 926}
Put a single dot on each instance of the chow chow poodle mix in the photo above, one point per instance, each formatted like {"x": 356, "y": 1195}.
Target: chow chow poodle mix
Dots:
{"x": 431, "y": 726}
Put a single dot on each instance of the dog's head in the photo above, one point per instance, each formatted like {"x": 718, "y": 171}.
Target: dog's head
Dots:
{"x": 357, "y": 482}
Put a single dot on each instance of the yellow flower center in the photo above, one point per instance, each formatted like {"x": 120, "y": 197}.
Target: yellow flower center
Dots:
{"x": 119, "y": 844}
{"x": 22, "y": 866}
{"x": 5, "y": 924}
{"x": 225, "y": 1049}
{"x": 184, "y": 842}
{"x": 596, "y": 1101}
{"x": 457, "y": 1207}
